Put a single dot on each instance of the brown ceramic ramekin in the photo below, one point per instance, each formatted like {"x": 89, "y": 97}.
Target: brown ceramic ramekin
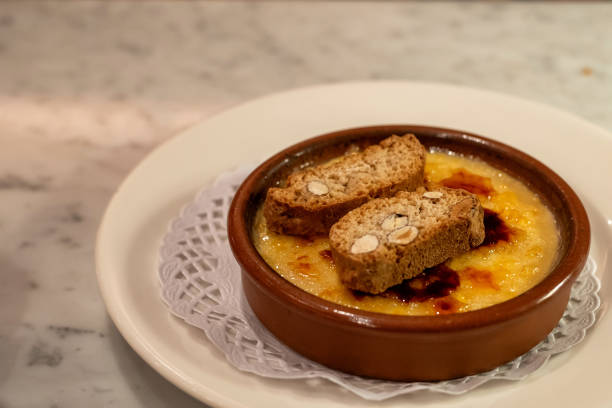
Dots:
{"x": 405, "y": 347}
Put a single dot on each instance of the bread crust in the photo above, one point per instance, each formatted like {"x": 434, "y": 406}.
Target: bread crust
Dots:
{"x": 397, "y": 163}
{"x": 447, "y": 227}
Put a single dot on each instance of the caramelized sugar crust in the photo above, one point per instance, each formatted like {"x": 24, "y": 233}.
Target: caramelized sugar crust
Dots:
{"x": 518, "y": 251}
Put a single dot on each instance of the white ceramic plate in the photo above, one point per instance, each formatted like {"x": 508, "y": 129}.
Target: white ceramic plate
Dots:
{"x": 139, "y": 213}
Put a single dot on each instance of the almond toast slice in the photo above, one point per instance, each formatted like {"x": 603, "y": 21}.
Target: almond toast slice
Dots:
{"x": 387, "y": 240}
{"x": 315, "y": 198}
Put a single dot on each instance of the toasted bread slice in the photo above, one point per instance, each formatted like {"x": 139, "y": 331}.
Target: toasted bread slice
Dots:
{"x": 387, "y": 240}
{"x": 315, "y": 198}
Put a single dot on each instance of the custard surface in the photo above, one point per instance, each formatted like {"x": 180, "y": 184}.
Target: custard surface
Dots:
{"x": 518, "y": 252}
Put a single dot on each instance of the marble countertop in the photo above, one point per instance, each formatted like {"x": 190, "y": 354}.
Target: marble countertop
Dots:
{"x": 88, "y": 88}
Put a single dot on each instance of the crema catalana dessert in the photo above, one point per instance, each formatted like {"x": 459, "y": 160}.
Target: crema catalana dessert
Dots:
{"x": 518, "y": 250}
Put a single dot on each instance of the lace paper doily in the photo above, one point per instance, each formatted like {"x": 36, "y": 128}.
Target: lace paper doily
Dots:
{"x": 201, "y": 284}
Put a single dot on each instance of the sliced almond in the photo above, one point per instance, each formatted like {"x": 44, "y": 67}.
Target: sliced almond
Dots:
{"x": 367, "y": 243}
{"x": 393, "y": 222}
{"x": 318, "y": 188}
{"x": 433, "y": 194}
{"x": 404, "y": 235}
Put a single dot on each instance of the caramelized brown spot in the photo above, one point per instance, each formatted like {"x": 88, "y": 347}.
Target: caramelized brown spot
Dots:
{"x": 308, "y": 240}
{"x": 303, "y": 268}
{"x": 327, "y": 255}
{"x": 435, "y": 282}
{"x": 302, "y": 257}
{"x": 416, "y": 284}
{"x": 479, "y": 278}
{"x": 304, "y": 241}
{"x": 447, "y": 305}
{"x": 469, "y": 181}
{"x": 495, "y": 228}
{"x": 358, "y": 295}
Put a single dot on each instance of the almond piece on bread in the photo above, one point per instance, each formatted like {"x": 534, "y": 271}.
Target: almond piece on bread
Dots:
{"x": 315, "y": 198}
{"x": 387, "y": 240}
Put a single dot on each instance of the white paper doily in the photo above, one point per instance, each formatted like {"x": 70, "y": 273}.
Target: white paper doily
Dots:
{"x": 200, "y": 281}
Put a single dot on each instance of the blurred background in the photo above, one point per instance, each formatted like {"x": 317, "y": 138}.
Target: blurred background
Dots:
{"x": 88, "y": 88}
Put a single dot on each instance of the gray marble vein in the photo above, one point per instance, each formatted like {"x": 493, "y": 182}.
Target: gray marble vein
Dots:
{"x": 88, "y": 88}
